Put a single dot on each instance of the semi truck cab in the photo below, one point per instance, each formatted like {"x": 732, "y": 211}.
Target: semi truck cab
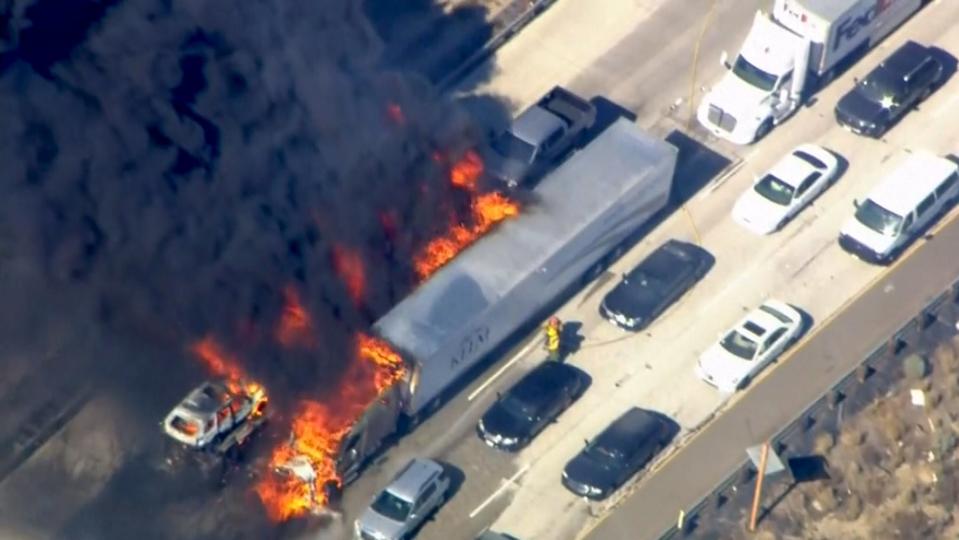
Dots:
{"x": 788, "y": 53}
{"x": 760, "y": 88}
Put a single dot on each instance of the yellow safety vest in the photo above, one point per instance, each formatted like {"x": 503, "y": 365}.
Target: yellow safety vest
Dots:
{"x": 552, "y": 338}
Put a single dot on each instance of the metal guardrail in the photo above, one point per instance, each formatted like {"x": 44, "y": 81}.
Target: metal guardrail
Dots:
{"x": 533, "y": 9}
{"x": 857, "y": 382}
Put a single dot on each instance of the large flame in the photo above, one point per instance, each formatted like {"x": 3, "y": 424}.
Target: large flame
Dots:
{"x": 387, "y": 363}
{"x": 487, "y": 209}
{"x": 319, "y": 427}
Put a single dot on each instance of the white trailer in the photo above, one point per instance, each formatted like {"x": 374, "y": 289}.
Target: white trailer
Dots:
{"x": 578, "y": 215}
{"x": 790, "y": 53}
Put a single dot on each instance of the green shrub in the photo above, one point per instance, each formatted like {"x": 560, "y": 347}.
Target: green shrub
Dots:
{"x": 915, "y": 367}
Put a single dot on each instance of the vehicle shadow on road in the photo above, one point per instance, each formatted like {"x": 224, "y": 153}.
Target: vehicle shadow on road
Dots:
{"x": 807, "y": 322}
{"x": 696, "y": 166}
{"x": 949, "y": 64}
{"x": 456, "y": 476}
{"x": 842, "y": 164}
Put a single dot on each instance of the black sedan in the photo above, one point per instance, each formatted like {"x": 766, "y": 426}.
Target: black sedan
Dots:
{"x": 619, "y": 452}
{"x": 658, "y": 281}
{"x": 531, "y": 404}
{"x": 888, "y": 91}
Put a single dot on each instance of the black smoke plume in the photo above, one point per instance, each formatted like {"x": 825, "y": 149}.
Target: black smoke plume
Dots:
{"x": 172, "y": 166}
{"x": 187, "y": 160}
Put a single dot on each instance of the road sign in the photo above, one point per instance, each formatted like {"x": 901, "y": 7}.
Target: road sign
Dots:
{"x": 773, "y": 463}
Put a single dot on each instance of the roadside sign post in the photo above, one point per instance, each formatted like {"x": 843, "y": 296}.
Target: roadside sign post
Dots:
{"x": 767, "y": 462}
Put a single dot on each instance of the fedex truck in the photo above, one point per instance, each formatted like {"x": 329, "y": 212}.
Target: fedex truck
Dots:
{"x": 787, "y": 55}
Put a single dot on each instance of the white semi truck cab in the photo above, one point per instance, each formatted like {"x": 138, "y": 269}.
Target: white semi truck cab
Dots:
{"x": 787, "y": 55}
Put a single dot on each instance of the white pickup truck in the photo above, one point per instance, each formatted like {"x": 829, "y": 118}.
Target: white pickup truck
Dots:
{"x": 788, "y": 54}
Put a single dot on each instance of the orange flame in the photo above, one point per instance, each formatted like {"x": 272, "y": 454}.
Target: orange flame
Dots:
{"x": 223, "y": 366}
{"x": 217, "y": 362}
{"x": 318, "y": 428}
{"x": 388, "y": 365}
{"x": 348, "y": 264}
{"x": 487, "y": 210}
{"x": 317, "y": 431}
{"x": 295, "y": 327}
{"x": 467, "y": 171}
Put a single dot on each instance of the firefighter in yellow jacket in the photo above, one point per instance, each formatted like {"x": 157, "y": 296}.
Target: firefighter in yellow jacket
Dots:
{"x": 554, "y": 332}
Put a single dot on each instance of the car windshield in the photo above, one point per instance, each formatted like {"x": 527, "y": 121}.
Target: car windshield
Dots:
{"x": 775, "y": 190}
{"x": 739, "y": 345}
{"x": 753, "y": 75}
{"x": 810, "y": 159}
{"x": 511, "y": 146}
{"x": 878, "y": 218}
{"x": 881, "y": 86}
{"x": 391, "y": 506}
{"x": 184, "y": 426}
{"x": 517, "y": 407}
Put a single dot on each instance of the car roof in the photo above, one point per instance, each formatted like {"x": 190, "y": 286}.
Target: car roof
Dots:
{"x": 535, "y": 124}
{"x": 757, "y": 323}
{"x": 633, "y": 424}
{"x": 905, "y": 58}
{"x": 544, "y": 375}
{"x": 664, "y": 258}
{"x": 792, "y": 169}
{"x": 411, "y": 480}
{"x": 911, "y": 182}
{"x": 205, "y": 399}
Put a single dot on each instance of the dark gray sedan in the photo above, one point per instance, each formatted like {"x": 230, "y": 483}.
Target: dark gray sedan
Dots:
{"x": 658, "y": 281}
{"x": 624, "y": 448}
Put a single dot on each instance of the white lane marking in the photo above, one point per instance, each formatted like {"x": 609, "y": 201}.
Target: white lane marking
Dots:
{"x": 507, "y": 483}
{"x": 500, "y": 371}
{"x": 720, "y": 180}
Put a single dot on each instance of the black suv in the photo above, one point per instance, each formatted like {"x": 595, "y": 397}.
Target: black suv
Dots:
{"x": 892, "y": 88}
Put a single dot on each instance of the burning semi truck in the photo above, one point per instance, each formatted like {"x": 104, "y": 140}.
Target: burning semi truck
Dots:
{"x": 579, "y": 217}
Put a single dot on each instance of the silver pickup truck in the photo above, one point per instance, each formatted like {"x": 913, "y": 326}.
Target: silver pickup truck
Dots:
{"x": 540, "y": 137}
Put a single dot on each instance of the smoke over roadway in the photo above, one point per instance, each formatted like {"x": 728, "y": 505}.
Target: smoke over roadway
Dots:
{"x": 177, "y": 165}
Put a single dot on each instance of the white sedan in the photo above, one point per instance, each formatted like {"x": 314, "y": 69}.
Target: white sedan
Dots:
{"x": 759, "y": 338}
{"x": 790, "y": 184}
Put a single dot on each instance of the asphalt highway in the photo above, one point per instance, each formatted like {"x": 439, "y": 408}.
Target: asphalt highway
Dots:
{"x": 801, "y": 377}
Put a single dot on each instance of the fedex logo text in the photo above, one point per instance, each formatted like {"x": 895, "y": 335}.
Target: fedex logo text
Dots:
{"x": 849, "y": 28}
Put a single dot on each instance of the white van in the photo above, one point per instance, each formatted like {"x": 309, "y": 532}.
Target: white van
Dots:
{"x": 900, "y": 207}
